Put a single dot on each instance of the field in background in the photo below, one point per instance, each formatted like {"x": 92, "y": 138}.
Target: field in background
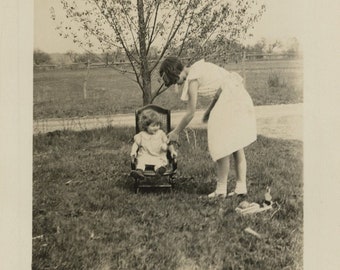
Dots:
{"x": 59, "y": 93}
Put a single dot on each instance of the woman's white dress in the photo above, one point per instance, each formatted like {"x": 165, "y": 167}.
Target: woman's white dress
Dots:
{"x": 232, "y": 121}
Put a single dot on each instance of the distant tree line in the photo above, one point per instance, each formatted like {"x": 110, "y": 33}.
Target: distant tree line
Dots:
{"x": 72, "y": 57}
{"x": 219, "y": 48}
{"x": 40, "y": 57}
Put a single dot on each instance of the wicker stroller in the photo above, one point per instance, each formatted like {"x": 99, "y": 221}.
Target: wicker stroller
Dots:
{"x": 151, "y": 179}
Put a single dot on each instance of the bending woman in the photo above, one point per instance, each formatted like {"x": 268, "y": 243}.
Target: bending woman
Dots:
{"x": 230, "y": 116}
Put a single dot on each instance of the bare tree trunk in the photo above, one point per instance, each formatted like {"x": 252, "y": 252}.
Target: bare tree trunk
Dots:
{"x": 145, "y": 72}
{"x": 147, "y": 97}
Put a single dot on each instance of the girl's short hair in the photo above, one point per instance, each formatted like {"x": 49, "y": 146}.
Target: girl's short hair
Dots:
{"x": 170, "y": 70}
{"x": 148, "y": 117}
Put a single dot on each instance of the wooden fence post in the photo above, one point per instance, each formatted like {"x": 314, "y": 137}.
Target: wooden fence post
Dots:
{"x": 243, "y": 67}
{"x": 86, "y": 78}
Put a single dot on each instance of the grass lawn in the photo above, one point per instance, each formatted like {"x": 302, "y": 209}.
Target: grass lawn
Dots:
{"x": 59, "y": 93}
{"x": 86, "y": 216}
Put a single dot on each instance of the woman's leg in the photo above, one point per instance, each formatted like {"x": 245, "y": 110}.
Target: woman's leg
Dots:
{"x": 222, "y": 176}
{"x": 241, "y": 172}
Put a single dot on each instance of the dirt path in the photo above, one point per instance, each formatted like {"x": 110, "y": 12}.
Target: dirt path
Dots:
{"x": 276, "y": 121}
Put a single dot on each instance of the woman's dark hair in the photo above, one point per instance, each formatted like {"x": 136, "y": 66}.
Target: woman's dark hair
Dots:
{"x": 148, "y": 117}
{"x": 170, "y": 70}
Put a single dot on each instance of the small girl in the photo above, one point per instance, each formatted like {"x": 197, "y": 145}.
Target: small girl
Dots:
{"x": 150, "y": 145}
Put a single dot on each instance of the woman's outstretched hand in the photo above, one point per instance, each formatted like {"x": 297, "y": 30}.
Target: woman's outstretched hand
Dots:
{"x": 173, "y": 136}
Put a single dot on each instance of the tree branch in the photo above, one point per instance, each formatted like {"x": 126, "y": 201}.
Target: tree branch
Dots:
{"x": 128, "y": 18}
{"x": 158, "y": 92}
{"x": 186, "y": 34}
{"x": 166, "y": 46}
{"x": 153, "y": 28}
{"x": 129, "y": 55}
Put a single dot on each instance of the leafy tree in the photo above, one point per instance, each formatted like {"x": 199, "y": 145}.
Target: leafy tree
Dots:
{"x": 73, "y": 56}
{"x": 40, "y": 57}
{"x": 218, "y": 49}
{"x": 293, "y": 47}
{"x": 107, "y": 57}
{"x": 260, "y": 46}
{"x": 85, "y": 57}
{"x": 137, "y": 26}
{"x": 274, "y": 46}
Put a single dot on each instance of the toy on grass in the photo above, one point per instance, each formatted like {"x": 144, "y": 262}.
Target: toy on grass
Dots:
{"x": 246, "y": 207}
{"x": 267, "y": 197}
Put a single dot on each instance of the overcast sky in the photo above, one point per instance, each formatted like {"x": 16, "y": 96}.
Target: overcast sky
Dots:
{"x": 282, "y": 20}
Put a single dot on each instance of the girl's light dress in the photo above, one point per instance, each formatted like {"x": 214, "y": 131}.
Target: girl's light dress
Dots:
{"x": 151, "y": 149}
{"x": 232, "y": 121}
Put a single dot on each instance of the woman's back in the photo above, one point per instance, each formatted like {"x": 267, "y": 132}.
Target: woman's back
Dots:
{"x": 210, "y": 78}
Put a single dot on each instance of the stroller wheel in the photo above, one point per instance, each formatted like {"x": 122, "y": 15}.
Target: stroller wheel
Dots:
{"x": 172, "y": 180}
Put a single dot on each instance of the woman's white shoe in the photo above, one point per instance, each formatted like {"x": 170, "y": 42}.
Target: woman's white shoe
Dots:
{"x": 233, "y": 193}
{"x": 216, "y": 195}
{"x": 240, "y": 190}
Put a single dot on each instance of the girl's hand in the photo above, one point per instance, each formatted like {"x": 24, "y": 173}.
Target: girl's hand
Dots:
{"x": 173, "y": 136}
{"x": 173, "y": 154}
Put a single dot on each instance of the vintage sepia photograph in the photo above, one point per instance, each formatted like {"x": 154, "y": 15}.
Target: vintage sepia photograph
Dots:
{"x": 168, "y": 134}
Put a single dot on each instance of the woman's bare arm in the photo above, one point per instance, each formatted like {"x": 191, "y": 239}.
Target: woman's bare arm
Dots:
{"x": 191, "y": 108}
